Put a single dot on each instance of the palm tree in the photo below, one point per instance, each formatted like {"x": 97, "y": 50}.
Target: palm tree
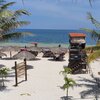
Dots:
{"x": 95, "y": 34}
{"x": 68, "y": 81}
{"x": 66, "y": 71}
{"x": 9, "y": 22}
{"x": 3, "y": 73}
{"x": 93, "y": 56}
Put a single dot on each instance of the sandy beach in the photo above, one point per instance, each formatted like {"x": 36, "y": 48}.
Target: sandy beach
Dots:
{"x": 49, "y": 50}
{"x": 44, "y": 81}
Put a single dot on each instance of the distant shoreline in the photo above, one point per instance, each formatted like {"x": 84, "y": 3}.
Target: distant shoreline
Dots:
{"x": 39, "y": 44}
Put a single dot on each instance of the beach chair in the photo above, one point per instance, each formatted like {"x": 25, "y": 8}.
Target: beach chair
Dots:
{"x": 47, "y": 53}
{"x": 58, "y": 57}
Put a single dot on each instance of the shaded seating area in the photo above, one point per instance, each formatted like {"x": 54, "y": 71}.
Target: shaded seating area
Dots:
{"x": 24, "y": 54}
{"x": 10, "y": 49}
{"x": 30, "y": 53}
{"x": 58, "y": 53}
{"x": 47, "y": 52}
{"x": 34, "y": 50}
{"x": 2, "y": 55}
{"x": 59, "y": 57}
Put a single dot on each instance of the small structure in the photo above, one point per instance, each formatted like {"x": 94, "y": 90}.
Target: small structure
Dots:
{"x": 77, "y": 39}
{"x": 77, "y": 54}
{"x": 20, "y": 70}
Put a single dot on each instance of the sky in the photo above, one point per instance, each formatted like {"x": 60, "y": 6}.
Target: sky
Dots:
{"x": 58, "y": 14}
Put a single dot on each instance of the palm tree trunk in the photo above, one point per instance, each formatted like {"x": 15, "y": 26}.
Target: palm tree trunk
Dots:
{"x": 67, "y": 94}
{"x": 3, "y": 81}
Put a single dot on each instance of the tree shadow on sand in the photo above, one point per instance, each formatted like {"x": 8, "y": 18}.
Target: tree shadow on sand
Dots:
{"x": 65, "y": 98}
{"x": 1, "y": 65}
{"x": 93, "y": 88}
{"x": 51, "y": 59}
{"x": 28, "y": 67}
{"x": 4, "y": 88}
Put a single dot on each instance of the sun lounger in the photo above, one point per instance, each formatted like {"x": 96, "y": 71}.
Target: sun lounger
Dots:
{"x": 47, "y": 53}
{"x": 59, "y": 57}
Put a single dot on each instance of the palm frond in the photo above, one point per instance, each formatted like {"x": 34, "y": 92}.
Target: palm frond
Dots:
{"x": 5, "y": 6}
{"x": 9, "y": 21}
{"x": 66, "y": 71}
{"x": 90, "y": 1}
{"x": 94, "y": 48}
{"x": 93, "y": 20}
{"x": 13, "y": 25}
{"x": 13, "y": 35}
{"x": 20, "y": 12}
{"x": 68, "y": 83}
{"x": 94, "y": 56}
{"x": 94, "y": 34}
{"x": 6, "y": 14}
{"x": 87, "y": 30}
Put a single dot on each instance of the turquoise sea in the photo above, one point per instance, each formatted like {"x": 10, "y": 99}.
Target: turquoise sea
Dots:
{"x": 46, "y": 37}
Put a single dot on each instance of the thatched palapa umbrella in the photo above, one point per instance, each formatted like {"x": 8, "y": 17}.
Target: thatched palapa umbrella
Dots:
{"x": 58, "y": 50}
{"x": 24, "y": 55}
{"x": 10, "y": 49}
{"x": 2, "y": 54}
{"x": 32, "y": 48}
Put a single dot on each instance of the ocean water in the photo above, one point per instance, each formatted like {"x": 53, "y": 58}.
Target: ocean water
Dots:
{"x": 47, "y": 37}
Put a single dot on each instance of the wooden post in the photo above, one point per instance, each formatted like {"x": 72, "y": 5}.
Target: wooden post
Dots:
{"x": 25, "y": 69}
{"x": 16, "y": 80}
{"x": 10, "y": 54}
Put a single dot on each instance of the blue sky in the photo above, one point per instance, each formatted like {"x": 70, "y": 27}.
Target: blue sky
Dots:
{"x": 58, "y": 14}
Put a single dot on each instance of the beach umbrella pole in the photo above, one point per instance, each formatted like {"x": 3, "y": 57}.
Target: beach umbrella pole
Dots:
{"x": 10, "y": 54}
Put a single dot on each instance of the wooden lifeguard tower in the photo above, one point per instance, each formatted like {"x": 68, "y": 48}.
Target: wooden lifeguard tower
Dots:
{"x": 77, "y": 55}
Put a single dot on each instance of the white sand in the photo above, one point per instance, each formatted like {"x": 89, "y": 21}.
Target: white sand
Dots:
{"x": 44, "y": 82}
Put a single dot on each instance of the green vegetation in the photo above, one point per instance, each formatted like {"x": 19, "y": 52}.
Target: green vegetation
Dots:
{"x": 66, "y": 71}
{"x": 3, "y": 74}
{"x": 95, "y": 34}
{"x": 94, "y": 56}
{"x": 68, "y": 81}
{"x": 92, "y": 47}
{"x": 9, "y": 21}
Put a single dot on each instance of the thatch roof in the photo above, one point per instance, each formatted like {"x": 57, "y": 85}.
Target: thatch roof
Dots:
{"x": 2, "y": 54}
{"x": 58, "y": 50}
{"x": 37, "y": 49}
{"x": 24, "y": 55}
{"x": 10, "y": 48}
